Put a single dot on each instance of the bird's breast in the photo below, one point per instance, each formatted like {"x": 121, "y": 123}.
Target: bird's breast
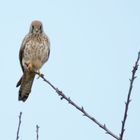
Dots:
{"x": 35, "y": 53}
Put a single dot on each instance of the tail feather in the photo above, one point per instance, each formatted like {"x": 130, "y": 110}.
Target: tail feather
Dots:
{"x": 19, "y": 82}
{"x": 26, "y": 84}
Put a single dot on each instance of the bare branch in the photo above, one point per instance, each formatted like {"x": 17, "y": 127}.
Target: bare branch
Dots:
{"x": 81, "y": 109}
{"x": 17, "y": 137}
{"x": 135, "y": 68}
{"x": 37, "y": 132}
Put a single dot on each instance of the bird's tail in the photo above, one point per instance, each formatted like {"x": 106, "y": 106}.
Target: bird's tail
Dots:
{"x": 25, "y": 83}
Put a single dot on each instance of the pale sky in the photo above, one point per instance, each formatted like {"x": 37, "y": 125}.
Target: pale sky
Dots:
{"x": 94, "y": 45}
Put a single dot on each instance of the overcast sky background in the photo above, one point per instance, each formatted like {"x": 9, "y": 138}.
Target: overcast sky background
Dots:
{"x": 94, "y": 44}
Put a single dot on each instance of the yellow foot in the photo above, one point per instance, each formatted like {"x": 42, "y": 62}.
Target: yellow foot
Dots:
{"x": 30, "y": 67}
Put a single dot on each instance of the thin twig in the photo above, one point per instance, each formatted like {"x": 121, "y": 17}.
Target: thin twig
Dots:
{"x": 37, "y": 132}
{"x": 81, "y": 109}
{"x": 135, "y": 68}
{"x": 17, "y": 137}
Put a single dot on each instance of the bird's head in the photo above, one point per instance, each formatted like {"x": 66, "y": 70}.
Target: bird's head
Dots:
{"x": 36, "y": 27}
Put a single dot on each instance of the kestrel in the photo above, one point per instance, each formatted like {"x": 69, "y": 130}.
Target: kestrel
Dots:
{"x": 34, "y": 52}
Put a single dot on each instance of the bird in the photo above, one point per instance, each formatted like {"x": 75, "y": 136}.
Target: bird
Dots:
{"x": 33, "y": 54}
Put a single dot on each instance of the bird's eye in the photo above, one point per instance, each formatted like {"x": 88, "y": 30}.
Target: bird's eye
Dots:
{"x": 32, "y": 29}
{"x": 40, "y": 28}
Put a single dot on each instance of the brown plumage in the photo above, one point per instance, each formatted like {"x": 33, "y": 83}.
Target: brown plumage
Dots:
{"x": 34, "y": 52}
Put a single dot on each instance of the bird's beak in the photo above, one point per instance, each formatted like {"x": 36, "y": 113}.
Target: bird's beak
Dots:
{"x": 36, "y": 30}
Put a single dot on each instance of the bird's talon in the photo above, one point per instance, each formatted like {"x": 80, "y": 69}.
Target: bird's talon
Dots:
{"x": 30, "y": 67}
{"x": 39, "y": 74}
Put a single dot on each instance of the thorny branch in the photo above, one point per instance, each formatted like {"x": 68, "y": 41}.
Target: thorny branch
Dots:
{"x": 81, "y": 109}
{"x": 19, "y": 126}
{"x": 135, "y": 68}
{"x": 37, "y": 132}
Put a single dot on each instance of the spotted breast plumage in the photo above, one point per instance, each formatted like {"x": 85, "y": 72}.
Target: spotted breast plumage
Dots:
{"x": 34, "y": 52}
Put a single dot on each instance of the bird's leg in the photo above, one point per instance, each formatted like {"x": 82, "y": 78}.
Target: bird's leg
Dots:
{"x": 39, "y": 74}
